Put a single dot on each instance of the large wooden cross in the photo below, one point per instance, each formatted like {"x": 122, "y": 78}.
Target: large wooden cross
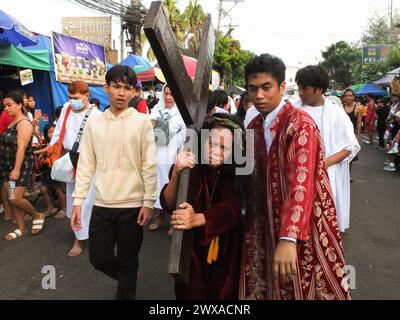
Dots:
{"x": 191, "y": 99}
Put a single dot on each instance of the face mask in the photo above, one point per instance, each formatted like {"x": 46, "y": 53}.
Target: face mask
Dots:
{"x": 76, "y": 104}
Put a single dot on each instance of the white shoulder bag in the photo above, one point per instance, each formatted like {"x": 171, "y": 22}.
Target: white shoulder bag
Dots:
{"x": 63, "y": 168}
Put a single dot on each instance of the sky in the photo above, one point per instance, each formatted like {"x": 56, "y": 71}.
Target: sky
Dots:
{"x": 297, "y": 31}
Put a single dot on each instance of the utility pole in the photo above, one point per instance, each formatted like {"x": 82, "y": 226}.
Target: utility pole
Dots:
{"x": 223, "y": 13}
{"x": 122, "y": 47}
{"x": 219, "y": 15}
{"x": 139, "y": 18}
{"x": 390, "y": 24}
{"x": 230, "y": 26}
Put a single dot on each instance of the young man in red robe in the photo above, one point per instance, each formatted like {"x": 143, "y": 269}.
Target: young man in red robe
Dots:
{"x": 292, "y": 247}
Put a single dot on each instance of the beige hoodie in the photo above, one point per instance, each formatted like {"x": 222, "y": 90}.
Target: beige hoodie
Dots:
{"x": 121, "y": 152}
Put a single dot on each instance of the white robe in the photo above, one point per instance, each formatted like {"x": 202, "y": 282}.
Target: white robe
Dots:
{"x": 166, "y": 155}
{"x": 251, "y": 113}
{"x": 74, "y": 122}
{"x": 338, "y": 134}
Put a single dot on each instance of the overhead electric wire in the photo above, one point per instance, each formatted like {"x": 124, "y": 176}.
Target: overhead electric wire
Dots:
{"x": 111, "y": 7}
{"x": 131, "y": 14}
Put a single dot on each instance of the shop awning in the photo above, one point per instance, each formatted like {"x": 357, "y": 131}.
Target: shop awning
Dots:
{"x": 14, "y": 56}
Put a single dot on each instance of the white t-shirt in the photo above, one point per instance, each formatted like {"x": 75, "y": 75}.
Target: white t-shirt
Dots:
{"x": 232, "y": 103}
{"x": 220, "y": 110}
{"x": 316, "y": 114}
{"x": 251, "y": 113}
{"x": 74, "y": 122}
{"x": 34, "y": 139}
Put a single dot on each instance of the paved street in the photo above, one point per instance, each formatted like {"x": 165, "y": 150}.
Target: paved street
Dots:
{"x": 372, "y": 242}
{"x": 22, "y": 261}
{"x": 371, "y": 246}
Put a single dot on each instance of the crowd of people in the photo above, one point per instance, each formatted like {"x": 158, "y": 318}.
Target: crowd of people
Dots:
{"x": 274, "y": 233}
{"x": 376, "y": 114}
{"x": 387, "y": 114}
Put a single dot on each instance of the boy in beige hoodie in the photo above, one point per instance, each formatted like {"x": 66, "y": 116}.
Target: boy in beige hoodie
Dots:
{"x": 118, "y": 145}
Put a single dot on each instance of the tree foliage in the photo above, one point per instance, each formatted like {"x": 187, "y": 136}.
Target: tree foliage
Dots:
{"x": 193, "y": 19}
{"x": 393, "y": 60}
{"x": 175, "y": 20}
{"x": 229, "y": 58}
{"x": 378, "y": 30}
{"x": 338, "y": 60}
{"x": 344, "y": 61}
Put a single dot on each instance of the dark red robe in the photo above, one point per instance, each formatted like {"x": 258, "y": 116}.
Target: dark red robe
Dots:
{"x": 219, "y": 280}
{"x": 292, "y": 197}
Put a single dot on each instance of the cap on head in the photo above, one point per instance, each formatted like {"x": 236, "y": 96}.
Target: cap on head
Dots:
{"x": 138, "y": 85}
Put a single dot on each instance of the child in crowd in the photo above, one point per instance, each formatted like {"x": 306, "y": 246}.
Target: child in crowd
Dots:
{"x": 393, "y": 153}
{"x": 50, "y": 186}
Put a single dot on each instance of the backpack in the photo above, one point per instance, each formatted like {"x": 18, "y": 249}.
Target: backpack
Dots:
{"x": 161, "y": 129}
{"x": 162, "y": 133}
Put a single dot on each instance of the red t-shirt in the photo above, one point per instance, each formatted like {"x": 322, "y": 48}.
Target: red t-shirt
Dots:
{"x": 5, "y": 120}
{"x": 142, "y": 107}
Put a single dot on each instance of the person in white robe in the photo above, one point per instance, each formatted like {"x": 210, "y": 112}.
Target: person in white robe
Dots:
{"x": 337, "y": 132}
{"x": 232, "y": 109}
{"x": 251, "y": 113}
{"x": 167, "y": 149}
{"x": 73, "y": 125}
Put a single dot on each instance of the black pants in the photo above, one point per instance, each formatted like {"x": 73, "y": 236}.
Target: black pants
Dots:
{"x": 381, "y": 133}
{"x": 110, "y": 227}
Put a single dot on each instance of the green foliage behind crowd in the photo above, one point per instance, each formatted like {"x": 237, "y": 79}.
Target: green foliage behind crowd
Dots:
{"x": 229, "y": 58}
{"x": 344, "y": 60}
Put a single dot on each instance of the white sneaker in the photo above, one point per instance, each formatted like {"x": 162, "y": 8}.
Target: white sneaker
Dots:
{"x": 394, "y": 150}
{"x": 390, "y": 167}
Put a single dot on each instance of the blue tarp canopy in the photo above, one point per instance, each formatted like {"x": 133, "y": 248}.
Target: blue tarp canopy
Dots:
{"x": 14, "y": 32}
{"x": 60, "y": 90}
{"x": 370, "y": 88}
{"x": 45, "y": 85}
{"x": 138, "y": 64}
{"x": 109, "y": 66}
{"x": 40, "y": 88}
{"x": 143, "y": 69}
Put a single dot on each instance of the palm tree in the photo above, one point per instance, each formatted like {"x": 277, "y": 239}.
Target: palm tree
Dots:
{"x": 175, "y": 20}
{"x": 186, "y": 27}
{"x": 193, "y": 20}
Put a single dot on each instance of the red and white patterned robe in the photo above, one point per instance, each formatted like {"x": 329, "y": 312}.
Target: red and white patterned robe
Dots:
{"x": 292, "y": 197}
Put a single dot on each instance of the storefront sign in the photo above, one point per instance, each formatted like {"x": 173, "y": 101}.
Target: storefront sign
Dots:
{"x": 26, "y": 77}
{"x": 76, "y": 59}
{"x": 91, "y": 29}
